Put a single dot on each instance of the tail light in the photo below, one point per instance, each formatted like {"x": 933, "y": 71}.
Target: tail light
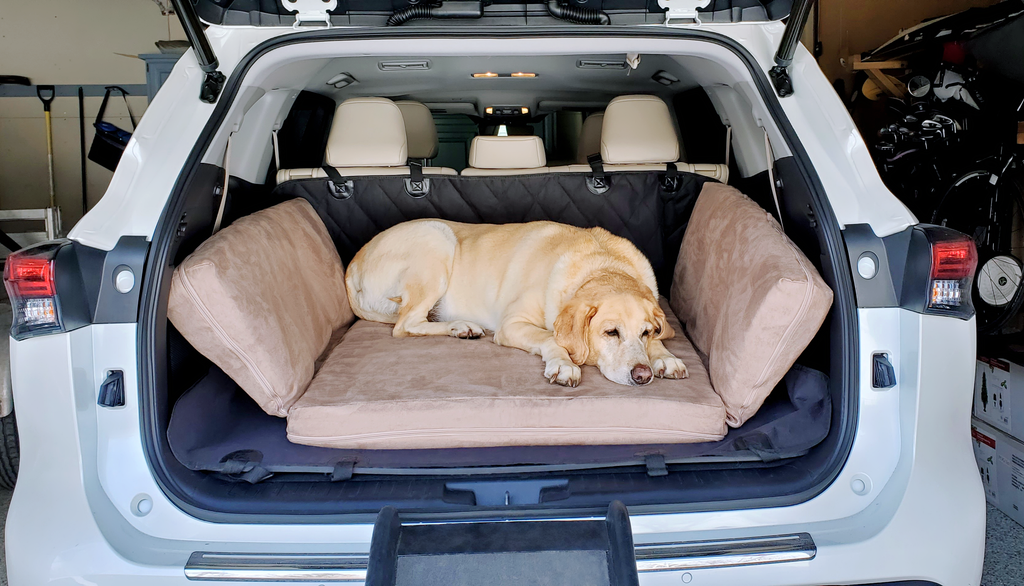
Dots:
{"x": 953, "y": 264}
{"x": 29, "y": 277}
{"x": 939, "y": 272}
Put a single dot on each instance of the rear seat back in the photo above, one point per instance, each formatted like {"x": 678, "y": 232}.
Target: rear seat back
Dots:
{"x": 506, "y": 155}
{"x": 638, "y": 134}
{"x": 368, "y": 137}
{"x": 590, "y": 138}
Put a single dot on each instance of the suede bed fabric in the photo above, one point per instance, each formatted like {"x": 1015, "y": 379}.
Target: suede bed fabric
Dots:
{"x": 749, "y": 297}
{"x": 261, "y": 299}
{"x": 379, "y": 392}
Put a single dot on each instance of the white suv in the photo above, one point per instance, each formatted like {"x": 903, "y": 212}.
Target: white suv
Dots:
{"x": 143, "y": 461}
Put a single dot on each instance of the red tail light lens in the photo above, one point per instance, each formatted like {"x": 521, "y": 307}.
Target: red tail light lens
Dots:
{"x": 954, "y": 259}
{"x": 29, "y": 277}
{"x": 30, "y": 281}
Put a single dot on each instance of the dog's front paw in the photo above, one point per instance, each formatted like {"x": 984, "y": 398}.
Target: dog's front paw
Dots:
{"x": 465, "y": 330}
{"x": 563, "y": 372}
{"x": 670, "y": 367}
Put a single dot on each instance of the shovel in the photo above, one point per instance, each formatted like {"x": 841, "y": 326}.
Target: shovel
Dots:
{"x": 42, "y": 91}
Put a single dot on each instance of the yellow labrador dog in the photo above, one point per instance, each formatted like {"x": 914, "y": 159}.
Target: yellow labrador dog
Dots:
{"x": 572, "y": 296}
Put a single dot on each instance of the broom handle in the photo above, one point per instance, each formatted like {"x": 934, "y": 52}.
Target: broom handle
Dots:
{"x": 41, "y": 91}
{"x": 49, "y": 154}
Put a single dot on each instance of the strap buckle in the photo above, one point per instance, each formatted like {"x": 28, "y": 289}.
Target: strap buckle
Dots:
{"x": 416, "y": 184}
{"x": 340, "y": 187}
{"x": 670, "y": 180}
{"x": 598, "y": 182}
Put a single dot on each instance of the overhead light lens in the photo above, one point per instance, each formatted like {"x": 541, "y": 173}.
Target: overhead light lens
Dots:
{"x": 489, "y": 110}
{"x": 526, "y": 110}
{"x": 486, "y": 74}
{"x": 523, "y": 74}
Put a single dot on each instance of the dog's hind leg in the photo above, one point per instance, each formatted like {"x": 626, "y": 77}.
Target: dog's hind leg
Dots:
{"x": 424, "y": 277}
{"x": 418, "y": 298}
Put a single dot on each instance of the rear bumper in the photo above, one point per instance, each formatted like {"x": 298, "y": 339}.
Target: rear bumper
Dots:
{"x": 922, "y": 516}
{"x": 70, "y": 549}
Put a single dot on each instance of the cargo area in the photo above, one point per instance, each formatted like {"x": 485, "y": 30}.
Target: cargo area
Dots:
{"x": 327, "y": 153}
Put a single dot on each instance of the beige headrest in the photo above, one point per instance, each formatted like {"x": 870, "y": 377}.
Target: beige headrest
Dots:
{"x": 367, "y": 132}
{"x": 420, "y": 131}
{"x": 638, "y": 129}
{"x": 590, "y": 138}
{"x": 507, "y": 152}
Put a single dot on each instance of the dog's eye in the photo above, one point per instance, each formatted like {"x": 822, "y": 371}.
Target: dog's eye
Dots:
{"x": 612, "y": 333}
{"x": 645, "y": 334}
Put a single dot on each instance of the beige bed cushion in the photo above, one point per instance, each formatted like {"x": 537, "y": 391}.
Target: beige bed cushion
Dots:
{"x": 378, "y": 392}
{"x": 261, "y": 299}
{"x": 749, "y": 297}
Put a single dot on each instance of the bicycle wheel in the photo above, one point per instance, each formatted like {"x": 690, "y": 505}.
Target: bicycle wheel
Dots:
{"x": 992, "y": 213}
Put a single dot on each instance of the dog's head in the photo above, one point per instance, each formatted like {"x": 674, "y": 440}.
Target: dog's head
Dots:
{"x": 611, "y": 322}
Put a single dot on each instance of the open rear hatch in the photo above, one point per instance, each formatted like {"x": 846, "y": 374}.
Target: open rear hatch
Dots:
{"x": 345, "y": 12}
{"x": 329, "y": 13}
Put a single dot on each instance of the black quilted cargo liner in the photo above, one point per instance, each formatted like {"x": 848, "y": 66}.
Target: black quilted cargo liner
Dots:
{"x": 636, "y": 206}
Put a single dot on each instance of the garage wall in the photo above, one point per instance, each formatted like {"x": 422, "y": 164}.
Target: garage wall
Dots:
{"x": 850, "y": 27}
{"x": 65, "y": 42}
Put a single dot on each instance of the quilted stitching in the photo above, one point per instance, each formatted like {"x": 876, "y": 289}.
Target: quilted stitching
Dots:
{"x": 635, "y": 207}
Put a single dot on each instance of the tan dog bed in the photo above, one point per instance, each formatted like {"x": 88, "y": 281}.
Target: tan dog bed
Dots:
{"x": 376, "y": 391}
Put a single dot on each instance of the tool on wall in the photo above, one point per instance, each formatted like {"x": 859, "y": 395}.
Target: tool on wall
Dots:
{"x": 46, "y": 94}
{"x": 109, "y": 142}
{"x": 14, "y": 80}
{"x": 81, "y": 140}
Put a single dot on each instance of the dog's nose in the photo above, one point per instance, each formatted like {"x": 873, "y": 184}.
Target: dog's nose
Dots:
{"x": 641, "y": 374}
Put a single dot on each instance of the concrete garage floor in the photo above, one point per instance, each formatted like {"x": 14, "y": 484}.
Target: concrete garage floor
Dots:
{"x": 1004, "y": 548}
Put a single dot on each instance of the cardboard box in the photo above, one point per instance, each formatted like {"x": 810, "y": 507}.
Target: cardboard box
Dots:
{"x": 998, "y": 393}
{"x": 1001, "y": 464}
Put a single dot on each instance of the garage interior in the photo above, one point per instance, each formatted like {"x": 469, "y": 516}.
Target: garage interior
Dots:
{"x": 919, "y": 96}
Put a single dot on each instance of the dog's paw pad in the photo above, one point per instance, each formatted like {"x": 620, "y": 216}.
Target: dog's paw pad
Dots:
{"x": 670, "y": 367}
{"x": 563, "y": 373}
{"x": 465, "y": 330}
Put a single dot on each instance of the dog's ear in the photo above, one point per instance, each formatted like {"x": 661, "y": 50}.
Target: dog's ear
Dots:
{"x": 572, "y": 327}
{"x": 662, "y": 331}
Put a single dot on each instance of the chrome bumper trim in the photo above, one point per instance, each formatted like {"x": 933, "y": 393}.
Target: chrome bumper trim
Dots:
{"x": 270, "y": 567}
{"x": 651, "y": 557}
{"x": 692, "y": 555}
